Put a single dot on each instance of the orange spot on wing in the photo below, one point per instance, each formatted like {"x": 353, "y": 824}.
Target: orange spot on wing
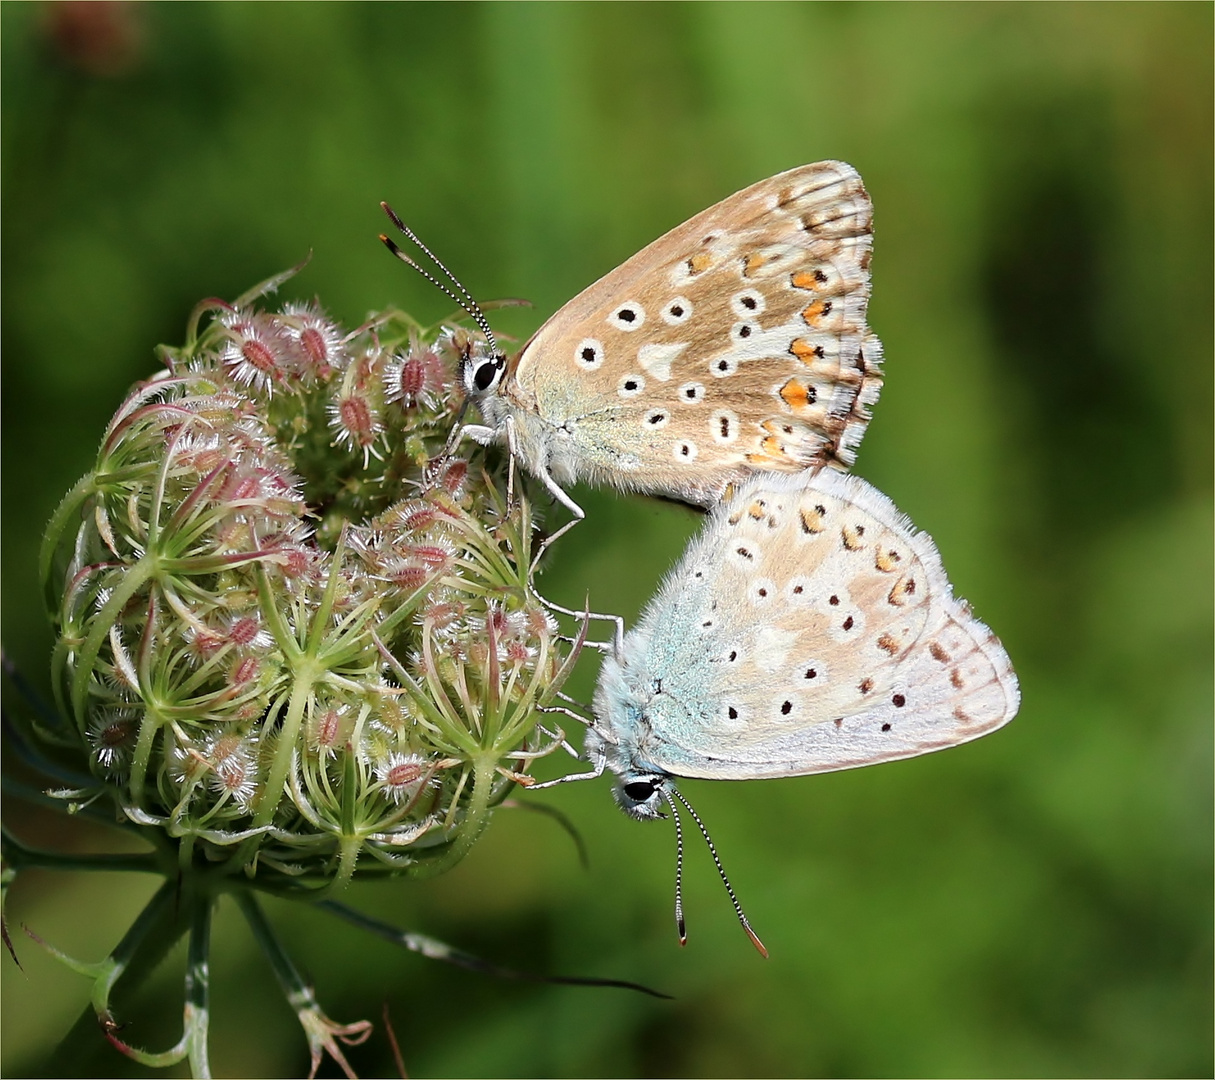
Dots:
{"x": 804, "y": 351}
{"x": 886, "y": 560}
{"x": 903, "y": 589}
{"x": 816, "y": 312}
{"x": 753, "y": 263}
{"x": 700, "y": 262}
{"x": 809, "y": 279}
{"x": 812, "y": 520}
{"x": 851, "y": 535}
{"x": 772, "y": 455}
{"x": 795, "y": 394}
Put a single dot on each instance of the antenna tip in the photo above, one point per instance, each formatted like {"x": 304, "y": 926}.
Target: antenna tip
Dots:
{"x": 759, "y": 945}
{"x": 682, "y": 927}
{"x": 392, "y": 214}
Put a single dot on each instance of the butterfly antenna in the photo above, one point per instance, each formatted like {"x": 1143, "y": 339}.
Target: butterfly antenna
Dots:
{"x": 720, "y": 869}
{"x": 680, "y": 925}
{"x": 464, "y": 298}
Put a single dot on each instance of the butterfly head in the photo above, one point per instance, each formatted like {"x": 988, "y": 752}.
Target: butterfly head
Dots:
{"x": 481, "y": 368}
{"x": 641, "y": 795}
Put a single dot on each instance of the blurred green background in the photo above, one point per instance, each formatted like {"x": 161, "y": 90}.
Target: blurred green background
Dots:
{"x": 1038, "y": 903}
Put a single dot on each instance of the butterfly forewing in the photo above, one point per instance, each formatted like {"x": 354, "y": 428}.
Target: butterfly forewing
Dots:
{"x": 812, "y": 628}
{"x": 736, "y": 342}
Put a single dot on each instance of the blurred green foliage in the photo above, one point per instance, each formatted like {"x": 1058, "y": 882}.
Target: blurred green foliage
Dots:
{"x": 1038, "y": 903}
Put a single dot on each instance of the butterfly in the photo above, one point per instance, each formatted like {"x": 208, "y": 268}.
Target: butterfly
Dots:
{"x": 735, "y": 343}
{"x": 809, "y": 627}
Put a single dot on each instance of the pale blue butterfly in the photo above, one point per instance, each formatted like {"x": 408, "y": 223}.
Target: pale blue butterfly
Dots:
{"x": 808, "y": 628}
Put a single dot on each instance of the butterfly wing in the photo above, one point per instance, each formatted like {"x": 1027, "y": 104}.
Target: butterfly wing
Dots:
{"x": 811, "y": 628}
{"x": 736, "y": 342}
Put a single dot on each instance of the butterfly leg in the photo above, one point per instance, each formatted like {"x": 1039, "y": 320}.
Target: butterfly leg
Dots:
{"x": 558, "y": 736}
{"x": 479, "y": 433}
{"x": 595, "y": 773}
{"x": 560, "y": 494}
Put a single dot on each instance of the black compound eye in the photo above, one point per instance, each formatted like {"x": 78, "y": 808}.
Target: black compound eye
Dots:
{"x": 639, "y": 790}
{"x": 485, "y": 374}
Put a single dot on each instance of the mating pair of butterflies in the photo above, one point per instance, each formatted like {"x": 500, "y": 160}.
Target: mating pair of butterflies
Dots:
{"x": 809, "y": 627}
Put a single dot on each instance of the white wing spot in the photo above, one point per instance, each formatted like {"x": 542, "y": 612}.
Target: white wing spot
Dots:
{"x": 743, "y": 331}
{"x": 677, "y": 311}
{"x": 692, "y": 392}
{"x": 589, "y": 354}
{"x": 723, "y": 366}
{"x": 760, "y": 591}
{"x": 684, "y": 450}
{"x": 723, "y": 426}
{"x": 630, "y": 386}
{"x": 748, "y": 303}
{"x": 656, "y": 418}
{"x": 628, "y": 317}
{"x": 656, "y": 359}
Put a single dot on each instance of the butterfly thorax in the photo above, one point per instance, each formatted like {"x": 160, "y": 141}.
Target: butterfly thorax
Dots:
{"x": 631, "y": 704}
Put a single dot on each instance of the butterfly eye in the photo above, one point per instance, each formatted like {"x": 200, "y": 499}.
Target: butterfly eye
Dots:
{"x": 640, "y": 797}
{"x": 640, "y": 790}
{"x": 487, "y": 372}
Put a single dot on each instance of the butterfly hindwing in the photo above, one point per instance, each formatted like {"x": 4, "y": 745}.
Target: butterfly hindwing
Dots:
{"x": 811, "y": 628}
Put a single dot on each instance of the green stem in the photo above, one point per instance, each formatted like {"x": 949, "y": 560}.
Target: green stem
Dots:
{"x": 148, "y": 727}
{"x": 154, "y": 931}
{"x": 284, "y": 970}
{"x": 476, "y": 817}
{"x": 132, "y": 581}
{"x": 69, "y": 505}
{"x": 197, "y": 1014}
{"x": 305, "y": 674}
{"x": 19, "y": 855}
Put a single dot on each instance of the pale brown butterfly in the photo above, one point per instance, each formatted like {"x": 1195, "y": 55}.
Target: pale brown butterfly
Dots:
{"x": 735, "y": 343}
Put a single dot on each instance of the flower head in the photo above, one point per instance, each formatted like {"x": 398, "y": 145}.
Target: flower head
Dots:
{"x": 333, "y": 654}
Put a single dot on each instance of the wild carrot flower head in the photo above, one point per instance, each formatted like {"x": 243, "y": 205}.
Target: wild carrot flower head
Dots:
{"x": 292, "y": 637}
